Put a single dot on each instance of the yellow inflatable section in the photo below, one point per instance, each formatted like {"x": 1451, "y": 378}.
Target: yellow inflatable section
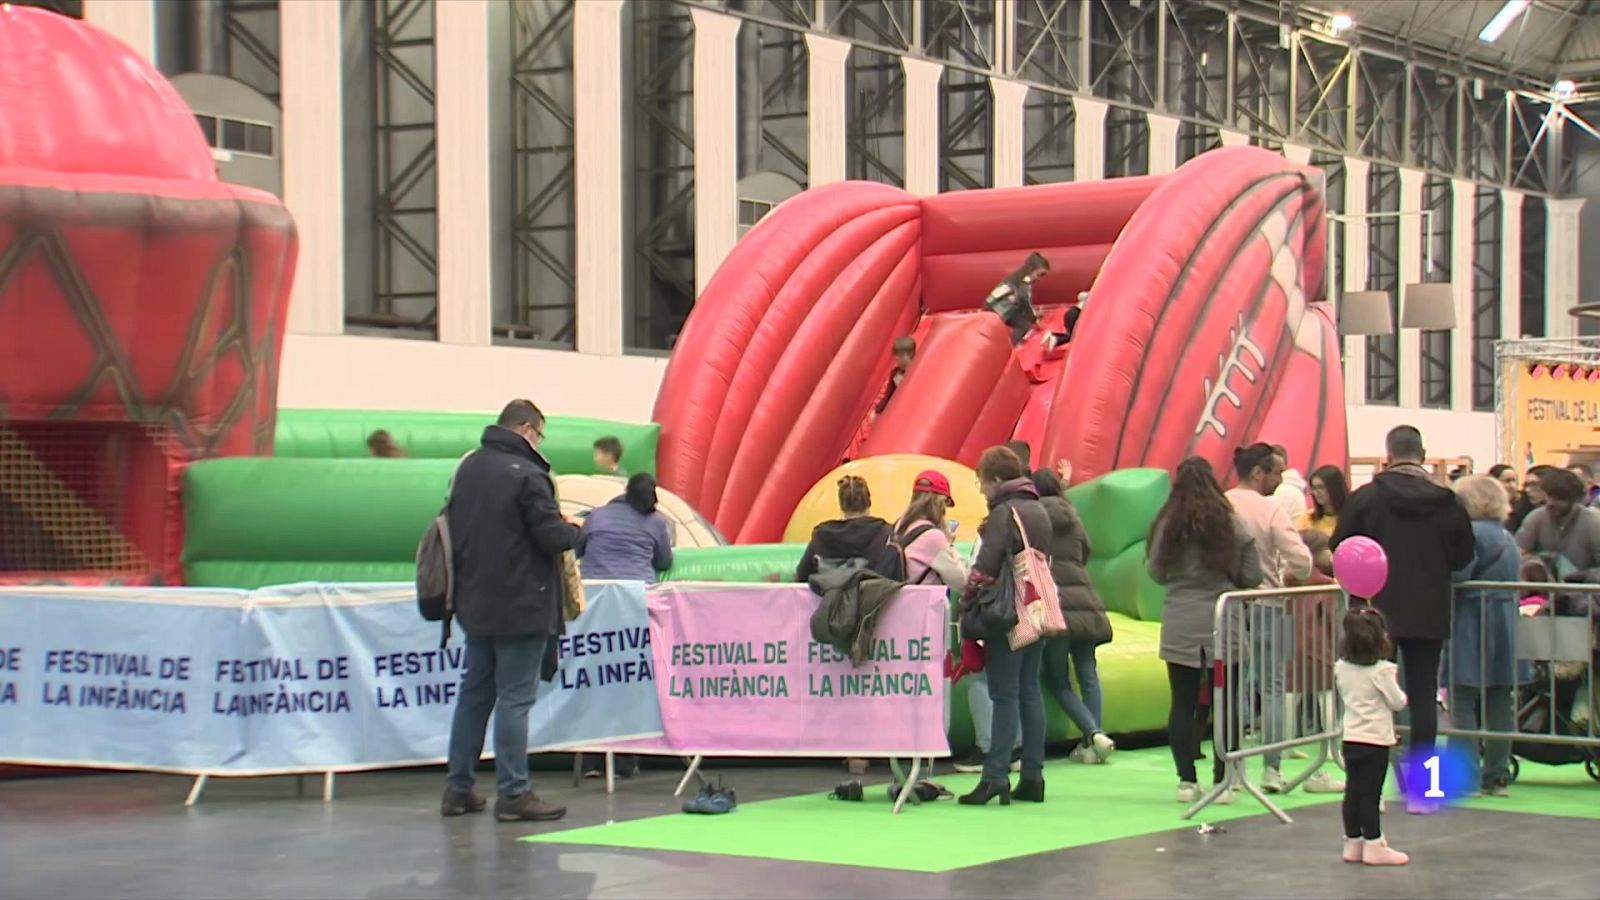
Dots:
{"x": 890, "y": 478}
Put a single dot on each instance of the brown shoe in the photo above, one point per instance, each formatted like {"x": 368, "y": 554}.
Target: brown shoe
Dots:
{"x": 527, "y": 808}
{"x": 455, "y": 804}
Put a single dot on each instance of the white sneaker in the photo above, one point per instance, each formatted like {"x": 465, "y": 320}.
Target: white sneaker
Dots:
{"x": 1352, "y": 849}
{"x": 1188, "y": 792}
{"x": 1379, "y": 853}
{"x": 1083, "y": 755}
{"x": 1103, "y": 745}
{"x": 1225, "y": 798}
{"x": 1272, "y": 781}
{"x": 1323, "y": 783}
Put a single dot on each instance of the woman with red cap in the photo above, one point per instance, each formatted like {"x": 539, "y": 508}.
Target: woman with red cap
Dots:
{"x": 924, "y": 534}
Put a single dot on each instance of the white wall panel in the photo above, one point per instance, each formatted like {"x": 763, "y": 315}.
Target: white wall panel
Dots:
{"x": 826, "y": 111}
{"x": 1562, "y": 270}
{"x": 1461, "y": 213}
{"x": 1409, "y": 359}
{"x": 131, "y": 21}
{"x": 1511, "y": 267}
{"x": 922, "y": 125}
{"x": 465, "y": 164}
{"x": 1356, "y": 238}
{"x": 1088, "y": 139}
{"x": 597, "y": 131}
{"x": 1010, "y": 100}
{"x": 351, "y": 372}
{"x": 1163, "y": 144}
{"x": 716, "y": 141}
{"x": 310, "y": 59}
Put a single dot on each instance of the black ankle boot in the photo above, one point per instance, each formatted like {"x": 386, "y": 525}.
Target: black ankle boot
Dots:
{"x": 986, "y": 791}
{"x": 1029, "y": 790}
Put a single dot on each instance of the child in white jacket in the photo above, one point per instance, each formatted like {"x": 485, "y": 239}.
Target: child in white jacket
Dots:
{"x": 1369, "y": 686}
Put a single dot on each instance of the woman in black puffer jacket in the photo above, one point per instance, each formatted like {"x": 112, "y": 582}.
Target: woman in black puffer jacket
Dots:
{"x": 1087, "y": 624}
{"x": 1013, "y": 675}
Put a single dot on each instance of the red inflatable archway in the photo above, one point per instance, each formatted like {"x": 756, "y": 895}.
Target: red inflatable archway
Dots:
{"x": 1205, "y": 330}
{"x": 142, "y": 305}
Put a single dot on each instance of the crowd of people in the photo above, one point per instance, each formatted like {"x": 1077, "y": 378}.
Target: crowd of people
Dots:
{"x": 1483, "y": 528}
{"x": 1263, "y": 532}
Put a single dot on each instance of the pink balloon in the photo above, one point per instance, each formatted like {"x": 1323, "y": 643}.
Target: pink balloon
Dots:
{"x": 1361, "y": 567}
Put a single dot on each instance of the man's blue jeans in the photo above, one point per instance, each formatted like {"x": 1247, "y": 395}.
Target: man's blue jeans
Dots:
{"x": 501, "y": 676}
{"x": 1272, "y": 640}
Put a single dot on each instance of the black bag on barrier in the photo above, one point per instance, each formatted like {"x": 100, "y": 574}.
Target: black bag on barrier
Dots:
{"x": 991, "y": 613}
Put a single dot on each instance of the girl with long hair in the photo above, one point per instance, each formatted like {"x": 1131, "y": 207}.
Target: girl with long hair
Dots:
{"x": 1329, "y": 491}
{"x": 1199, "y": 549}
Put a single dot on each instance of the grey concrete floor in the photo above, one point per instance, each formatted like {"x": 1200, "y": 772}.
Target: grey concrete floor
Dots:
{"x": 129, "y": 836}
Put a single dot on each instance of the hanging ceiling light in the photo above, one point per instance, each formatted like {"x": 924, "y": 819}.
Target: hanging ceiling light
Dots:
{"x": 1428, "y": 306}
{"x": 1340, "y": 23}
{"x": 1365, "y": 312}
{"x": 1564, "y": 89}
{"x": 1502, "y": 20}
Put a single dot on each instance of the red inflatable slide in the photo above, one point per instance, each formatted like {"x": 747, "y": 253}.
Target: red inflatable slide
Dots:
{"x": 1203, "y": 330}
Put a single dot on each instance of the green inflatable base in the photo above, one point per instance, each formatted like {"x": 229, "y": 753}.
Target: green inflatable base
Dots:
{"x": 568, "y": 440}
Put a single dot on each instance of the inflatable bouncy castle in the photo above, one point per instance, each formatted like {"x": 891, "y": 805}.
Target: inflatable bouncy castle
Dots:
{"x": 142, "y": 306}
{"x": 1203, "y": 330}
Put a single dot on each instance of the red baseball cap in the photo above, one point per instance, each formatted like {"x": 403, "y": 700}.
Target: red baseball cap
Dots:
{"x": 931, "y": 482}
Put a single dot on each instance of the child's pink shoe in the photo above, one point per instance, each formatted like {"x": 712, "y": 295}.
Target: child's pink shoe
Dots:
{"x": 1352, "y": 850}
{"x": 1379, "y": 853}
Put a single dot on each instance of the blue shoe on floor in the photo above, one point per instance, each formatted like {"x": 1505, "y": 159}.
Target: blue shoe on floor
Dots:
{"x": 712, "y": 801}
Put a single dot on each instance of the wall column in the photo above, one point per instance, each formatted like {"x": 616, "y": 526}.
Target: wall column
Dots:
{"x": 1231, "y": 138}
{"x": 1356, "y": 239}
{"x": 1511, "y": 271}
{"x": 922, "y": 125}
{"x": 310, "y": 62}
{"x": 1561, "y": 266}
{"x": 1408, "y": 359}
{"x": 1299, "y": 154}
{"x": 131, "y": 21}
{"x": 467, "y": 267}
{"x": 1163, "y": 144}
{"x": 598, "y": 177}
{"x": 825, "y": 69}
{"x": 1462, "y": 201}
{"x": 1010, "y": 101}
{"x": 716, "y": 141}
{"x": 1088, "y": 139}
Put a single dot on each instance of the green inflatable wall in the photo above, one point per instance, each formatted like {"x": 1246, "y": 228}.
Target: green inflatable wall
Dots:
{"x": 252, "y": 522}
{"x": 568, "y": 440}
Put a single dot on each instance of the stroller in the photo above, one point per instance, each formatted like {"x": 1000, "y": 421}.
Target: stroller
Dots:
{"x": 1560, "y": 700}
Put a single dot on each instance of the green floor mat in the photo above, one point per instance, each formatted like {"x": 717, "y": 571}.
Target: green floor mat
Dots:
{"x": 1134, "y": 794}
{"x": 1548, "y": 791}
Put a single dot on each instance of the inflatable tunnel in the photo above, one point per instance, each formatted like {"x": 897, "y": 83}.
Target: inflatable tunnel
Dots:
{"x": 1203, "y": 330}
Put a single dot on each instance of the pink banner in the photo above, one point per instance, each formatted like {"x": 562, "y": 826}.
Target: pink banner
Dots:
{"x": 738, "y": 674}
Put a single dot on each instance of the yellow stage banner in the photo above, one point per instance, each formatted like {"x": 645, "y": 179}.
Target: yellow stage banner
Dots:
{"x": 1555, "y": 413}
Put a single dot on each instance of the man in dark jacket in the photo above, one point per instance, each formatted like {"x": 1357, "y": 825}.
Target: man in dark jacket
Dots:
{"x": 1427, "y": 536}
{"x": 507, "y": 534}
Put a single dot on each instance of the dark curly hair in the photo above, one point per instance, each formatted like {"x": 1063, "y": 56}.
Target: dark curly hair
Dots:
{"x": 1196, "y": 514}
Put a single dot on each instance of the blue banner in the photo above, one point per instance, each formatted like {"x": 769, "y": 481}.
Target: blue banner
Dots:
{"x": 298, "y": 678}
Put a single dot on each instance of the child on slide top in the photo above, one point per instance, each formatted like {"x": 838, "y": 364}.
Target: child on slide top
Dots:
{"x": 1371, "y": 692}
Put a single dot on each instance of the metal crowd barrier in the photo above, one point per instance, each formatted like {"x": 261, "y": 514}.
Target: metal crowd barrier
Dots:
{"x": 1526, "y": 678}
{"x": 1272, "y": 687}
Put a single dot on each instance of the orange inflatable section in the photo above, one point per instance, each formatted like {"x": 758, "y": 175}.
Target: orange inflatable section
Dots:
{"x": 1204, "y": 319}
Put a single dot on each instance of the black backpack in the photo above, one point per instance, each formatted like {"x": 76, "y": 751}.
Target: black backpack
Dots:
{"x": 436, "y": 571}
